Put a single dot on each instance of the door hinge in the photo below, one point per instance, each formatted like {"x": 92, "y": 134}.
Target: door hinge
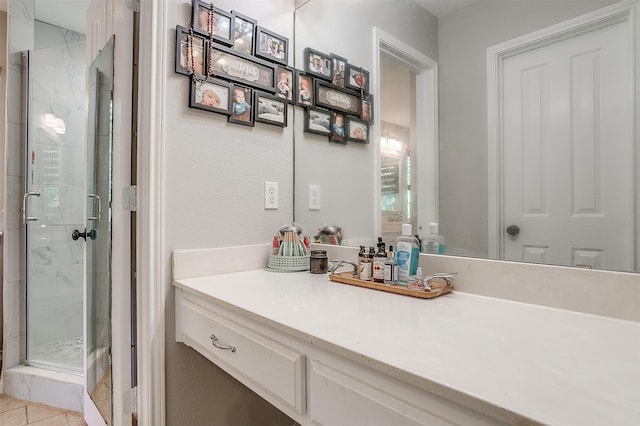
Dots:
{"x": 134, "y": 5}
{"x": 129, "y": 198}
{"x": 130, "y": 401}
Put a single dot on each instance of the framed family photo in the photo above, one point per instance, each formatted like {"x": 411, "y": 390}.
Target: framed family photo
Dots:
{"x": 211, "y": 95}
{"x": 357, "y": 78}
{"x": 366, "y": 111}
{"x": 271, "y": 46}
{"x": 317, "y": 64}
{"x": 338, "y": 70}
{"x": 338, "y": 132}
{"x": 270, "y": 109}
{"x": 241, "y": 108}
{"x": 189, "y": 50}
{"x": 243, "y": 33}
{"x": 208, "y": 20}
{"x": 284, "y": 84}
{"x": 304, "y": 89}
{"x": 357, "y": 130}
{"x": 317, "y": 121}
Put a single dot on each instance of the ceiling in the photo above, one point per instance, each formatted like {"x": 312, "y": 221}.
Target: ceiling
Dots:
{"x": 70, "y": 14}
{"x": 439, "y": 8}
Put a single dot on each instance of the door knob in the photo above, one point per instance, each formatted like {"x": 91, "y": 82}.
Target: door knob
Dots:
{"x": 513, "y": 230}
{"x": 76, "y": 234}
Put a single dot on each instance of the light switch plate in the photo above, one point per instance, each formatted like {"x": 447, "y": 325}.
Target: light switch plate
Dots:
{"x": 314, "y": 197}
{"x": 270, "y": 195}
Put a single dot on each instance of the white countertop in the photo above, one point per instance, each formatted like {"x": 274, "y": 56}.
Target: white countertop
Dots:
{"x": 553, "y": 366}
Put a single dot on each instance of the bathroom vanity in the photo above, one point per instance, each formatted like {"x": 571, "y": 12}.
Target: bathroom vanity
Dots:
{"x": 329, "y": 353}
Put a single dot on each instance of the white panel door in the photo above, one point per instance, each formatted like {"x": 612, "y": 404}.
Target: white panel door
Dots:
{"x": 568, "y": 152}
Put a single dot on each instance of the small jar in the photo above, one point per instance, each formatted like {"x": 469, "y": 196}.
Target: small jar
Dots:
{"x": 318, "y": 262}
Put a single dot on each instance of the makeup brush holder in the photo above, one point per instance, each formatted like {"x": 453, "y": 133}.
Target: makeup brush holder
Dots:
{"x": 288, "y": 263}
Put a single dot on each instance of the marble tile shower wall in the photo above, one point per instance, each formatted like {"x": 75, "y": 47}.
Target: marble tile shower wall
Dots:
{"x": 55, "y": 169}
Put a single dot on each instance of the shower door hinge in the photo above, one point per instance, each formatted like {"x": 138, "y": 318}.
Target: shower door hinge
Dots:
{"x": 134, "y": 5}
{"x": 130, "y": 401}
{"x": 129, "y": 198}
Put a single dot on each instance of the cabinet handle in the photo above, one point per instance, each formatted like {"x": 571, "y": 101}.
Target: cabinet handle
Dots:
{"x": 214, "y": 341}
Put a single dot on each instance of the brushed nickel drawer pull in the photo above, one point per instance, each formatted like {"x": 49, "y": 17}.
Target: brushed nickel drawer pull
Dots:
{"x": 214, "y": 341}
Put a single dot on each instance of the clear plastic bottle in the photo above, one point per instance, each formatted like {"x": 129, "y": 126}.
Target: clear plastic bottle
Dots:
{"x": 407, "y": 254}
{"x": 433, "y": 242}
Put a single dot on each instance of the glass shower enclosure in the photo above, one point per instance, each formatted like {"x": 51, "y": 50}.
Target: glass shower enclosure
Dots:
{"x": 54, "y": 205}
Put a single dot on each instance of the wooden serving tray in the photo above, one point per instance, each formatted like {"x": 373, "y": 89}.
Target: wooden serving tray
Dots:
{"x": 438, "y": 289}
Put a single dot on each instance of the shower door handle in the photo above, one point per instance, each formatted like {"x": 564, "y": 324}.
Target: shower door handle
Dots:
{"x": 76, "y": 234}
{"x": 26, "y": 218}
{"x": 97, "y": 218}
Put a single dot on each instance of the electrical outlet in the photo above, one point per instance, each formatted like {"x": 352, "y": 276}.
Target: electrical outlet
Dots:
{"x": 271, "y": 195}
{"x": 314, "y": 197}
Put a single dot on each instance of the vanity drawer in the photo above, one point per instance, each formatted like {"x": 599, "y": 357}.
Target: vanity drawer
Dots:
{"x": 266, "y": 366}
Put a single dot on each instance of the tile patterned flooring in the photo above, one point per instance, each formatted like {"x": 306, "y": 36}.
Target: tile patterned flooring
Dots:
{"x": 17, "y": 412}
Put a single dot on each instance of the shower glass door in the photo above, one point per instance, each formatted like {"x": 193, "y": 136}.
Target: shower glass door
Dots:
{"x": 54, "y": 205}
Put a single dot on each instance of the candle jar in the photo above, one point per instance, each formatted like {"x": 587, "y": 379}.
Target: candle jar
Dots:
{"x": 318, "y": 262}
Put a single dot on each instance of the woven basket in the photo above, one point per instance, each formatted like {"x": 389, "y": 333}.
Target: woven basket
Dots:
{"x": 289, "y": 263}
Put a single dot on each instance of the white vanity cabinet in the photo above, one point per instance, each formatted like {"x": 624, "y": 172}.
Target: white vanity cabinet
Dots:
{"x": 310, "y": 384}
{"x": 327, "y": 353}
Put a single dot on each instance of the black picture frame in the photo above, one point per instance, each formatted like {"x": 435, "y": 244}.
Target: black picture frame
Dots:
{"x": 338, "y": 130}
{"x": 212, "y": 95}
{"x": 285, "y": 87}
{"x": 304, "y": 95}
{"x": 366, "y": 109}
{"x": 317, "y": 64}
{"x": 241, "y": 108}
{"x": 271, "y": 46}
{"x": 338, "y": 70}
{"x": 334, "y": 98}
{"x": 270, "y": 109}
{"x": 228, "y": 64}
{"x": 317, "y": 121}
{"x": 183, "y": 59}
{"x": 357, "y": 130}
{"x": 351, "y": 81}
{"x": 244, "y": 31}
{"x": 222, "y": 25}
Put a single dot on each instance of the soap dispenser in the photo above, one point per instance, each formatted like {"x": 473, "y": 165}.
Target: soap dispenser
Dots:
{"x": 407, "y": 254}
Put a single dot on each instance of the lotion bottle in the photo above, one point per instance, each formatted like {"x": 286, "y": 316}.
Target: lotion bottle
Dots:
{"x": 433, "y": 242}
{"x": 407, "y": 254}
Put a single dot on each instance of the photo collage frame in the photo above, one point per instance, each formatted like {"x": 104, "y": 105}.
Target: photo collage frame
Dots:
{"x": 240, "y": 69}
{"x": 336, "y": 98}
{"x": 237, "y": 68}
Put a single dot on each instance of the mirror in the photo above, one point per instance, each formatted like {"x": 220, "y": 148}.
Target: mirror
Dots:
{"x": 98, "y": 226}
{"x": 466, "y": 198}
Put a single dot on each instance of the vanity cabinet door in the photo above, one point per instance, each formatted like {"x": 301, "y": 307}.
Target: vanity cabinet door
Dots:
{"x": 343, "y": 393}
{"x": 270, "y": 368}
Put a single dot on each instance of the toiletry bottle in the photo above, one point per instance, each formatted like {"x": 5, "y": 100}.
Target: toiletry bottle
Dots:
{"x": 378, "y": 262}
{"x": 414, "y": 282}
{"x": 390, "y": 267}
{"x": 433, "y": 242}
{"x": 275, "y": 245}
{"x": 365, "y": 268}
{"x": 361, "y": 254}
{"x": 407, "y": 254}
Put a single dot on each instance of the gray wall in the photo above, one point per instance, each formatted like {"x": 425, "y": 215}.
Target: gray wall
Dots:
{"x": 464, "y": 37}
{"x": 215, "y": 173}
{"x": 347, "y": 173}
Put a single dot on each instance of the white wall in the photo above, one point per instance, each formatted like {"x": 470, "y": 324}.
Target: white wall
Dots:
{"x": 464, "y": 36}
{"x": 346, "y": 173}
{"x": 214, "y": 197}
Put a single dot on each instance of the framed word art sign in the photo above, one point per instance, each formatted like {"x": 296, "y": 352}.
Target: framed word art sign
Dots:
{"x": 329, "y": 96}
